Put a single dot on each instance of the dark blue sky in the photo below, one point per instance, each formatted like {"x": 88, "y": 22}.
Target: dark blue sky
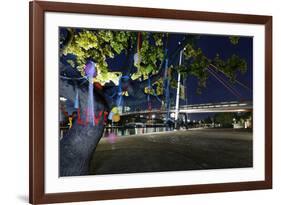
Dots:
{"x": 215, "y": 91}
{"x": 211, "y": 45}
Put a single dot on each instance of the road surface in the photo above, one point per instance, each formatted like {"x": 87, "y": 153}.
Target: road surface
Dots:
{"x": 174, "y": 151}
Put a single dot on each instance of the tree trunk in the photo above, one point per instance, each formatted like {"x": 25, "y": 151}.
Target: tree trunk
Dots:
{"x": 80, "y": 141}
{"x": 77, "y": 147}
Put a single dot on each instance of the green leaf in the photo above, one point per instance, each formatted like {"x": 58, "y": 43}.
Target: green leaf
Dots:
{"x": 234, "y": 39}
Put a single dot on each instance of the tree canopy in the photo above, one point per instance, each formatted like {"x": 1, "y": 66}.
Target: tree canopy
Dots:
{"x": 148, "y": 50}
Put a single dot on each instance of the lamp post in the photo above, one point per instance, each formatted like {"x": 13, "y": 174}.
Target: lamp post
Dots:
{"x": 178, "y": 93}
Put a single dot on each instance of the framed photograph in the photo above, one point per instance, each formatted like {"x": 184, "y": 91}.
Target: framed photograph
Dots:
{"x": 132, "y": 102}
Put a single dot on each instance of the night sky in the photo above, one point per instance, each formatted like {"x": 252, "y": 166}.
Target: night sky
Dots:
{"x": 210, "y": 45}
{"x": 215, "y": 91}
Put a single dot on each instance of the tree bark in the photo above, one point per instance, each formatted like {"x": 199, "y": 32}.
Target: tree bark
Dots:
{"x": 80, "y": 141}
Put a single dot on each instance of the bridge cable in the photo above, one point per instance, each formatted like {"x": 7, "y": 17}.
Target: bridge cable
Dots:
{"x": 225, "y": 83}
{"x": 232, "y": 90}
{"x": 237, "y": 81}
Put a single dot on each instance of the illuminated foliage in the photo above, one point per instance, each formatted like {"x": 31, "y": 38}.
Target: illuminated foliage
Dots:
{"x": 196, "y": 64}
{"x": 81, "y": 45}
{"x": 234, "y": 39}
{"x": 99, "y": 45}
{"x": 157, "y": 88}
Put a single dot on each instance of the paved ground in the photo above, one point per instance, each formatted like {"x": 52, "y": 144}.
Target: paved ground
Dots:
{"x": 174, "y": 151}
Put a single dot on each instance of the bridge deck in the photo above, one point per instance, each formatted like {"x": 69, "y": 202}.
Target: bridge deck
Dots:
{"x": 233, "y": 106}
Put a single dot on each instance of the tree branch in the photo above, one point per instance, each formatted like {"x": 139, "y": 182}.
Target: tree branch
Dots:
{"x": 69, "y": 39}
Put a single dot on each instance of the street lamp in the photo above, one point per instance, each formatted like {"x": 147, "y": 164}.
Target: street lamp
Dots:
{"x": 63, "y": 99}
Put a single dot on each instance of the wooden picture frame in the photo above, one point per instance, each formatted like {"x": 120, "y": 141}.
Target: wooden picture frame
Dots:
{"x": 37, "y": 98}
